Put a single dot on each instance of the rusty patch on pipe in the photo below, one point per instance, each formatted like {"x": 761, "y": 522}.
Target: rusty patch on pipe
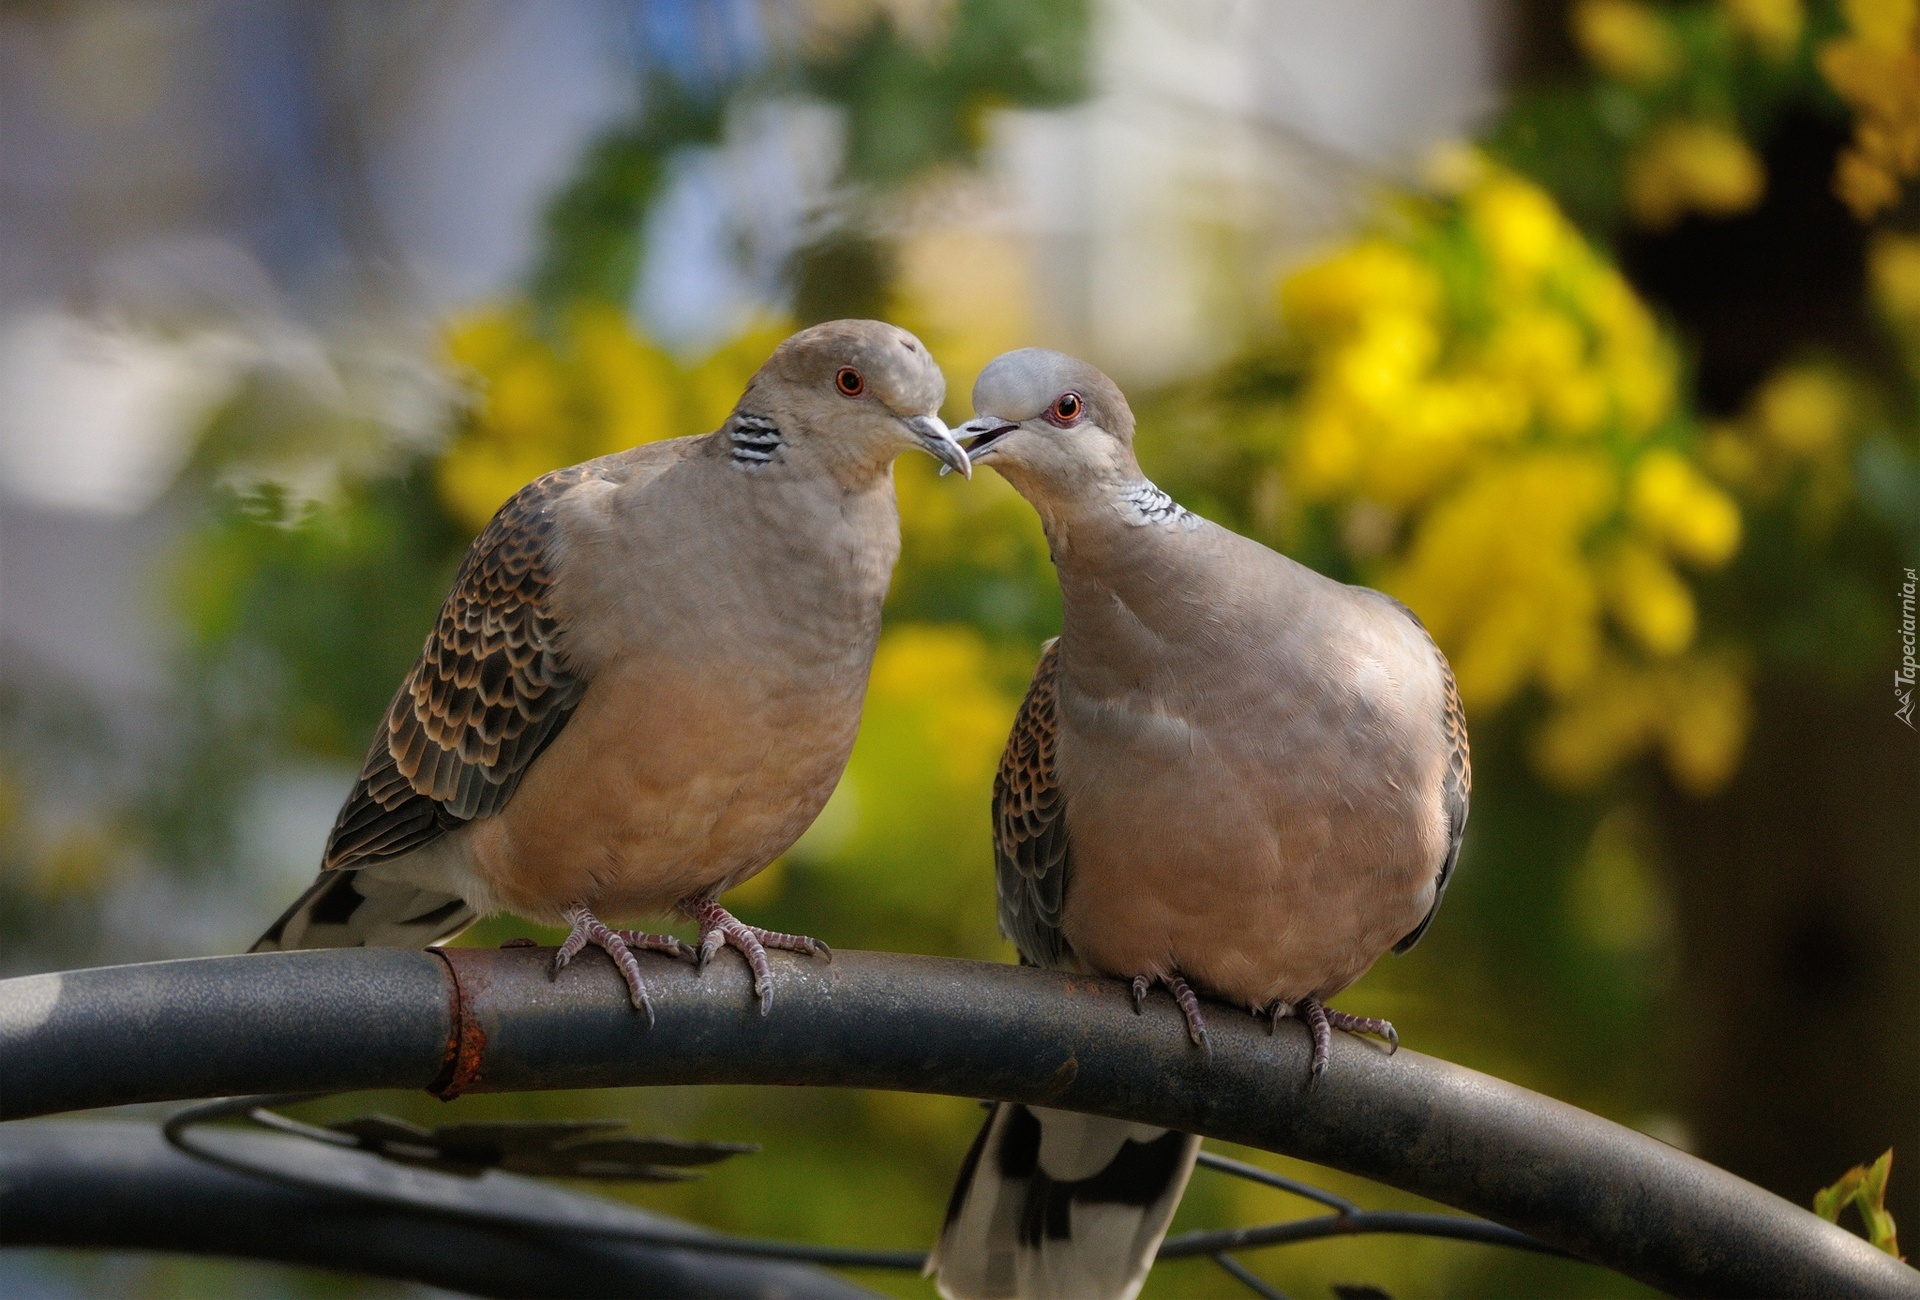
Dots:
{"x": 1064, "y": 1076}
{"x": 466, "y": 1041}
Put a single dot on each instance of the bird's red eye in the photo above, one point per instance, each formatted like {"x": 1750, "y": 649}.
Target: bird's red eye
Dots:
{"x": 849, "y": 382}
{"x": 1067, "y": 408}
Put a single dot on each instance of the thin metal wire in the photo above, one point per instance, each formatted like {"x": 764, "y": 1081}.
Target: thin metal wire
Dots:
{"x": 1247, "y": 1277}
{"x": 1348, "y": 1219}
{"x": 1454, "y": 1227}
{"x": 1255, "y": 1174}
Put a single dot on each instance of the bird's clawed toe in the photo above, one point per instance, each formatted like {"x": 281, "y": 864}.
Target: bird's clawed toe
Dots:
{"x": 672, "y": 945}
{"x": 1314, "y": 1012}
{"x": 1190, "y": 1008}
{"x": 1323, "y": 1020}
{"x": 1366, "y": 1025}
{"x": 617, "y": 944}
{"x": 791, "y": 942}
{"x": 719, "y": 927}
{"x": 1188, "y": 1001}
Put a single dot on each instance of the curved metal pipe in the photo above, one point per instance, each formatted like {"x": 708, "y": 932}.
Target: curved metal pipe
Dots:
{"x": 477, "y": 1020}
{"x": 114, "y": 1185}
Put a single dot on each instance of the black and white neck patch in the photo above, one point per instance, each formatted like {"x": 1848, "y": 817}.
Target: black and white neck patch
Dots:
{"x": 755, "y": 439}
{"x": 1144, "y": 504}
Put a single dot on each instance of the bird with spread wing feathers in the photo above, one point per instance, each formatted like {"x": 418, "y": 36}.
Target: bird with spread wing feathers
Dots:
{"x": 1231, "y": 776}
{"x": 647, "y": 677}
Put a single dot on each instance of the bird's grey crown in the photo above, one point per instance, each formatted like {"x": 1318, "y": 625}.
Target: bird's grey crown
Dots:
{"x": 1019, "y": 385}
{"x": 1145, "y": 504}
{"x": 755, "y": 439}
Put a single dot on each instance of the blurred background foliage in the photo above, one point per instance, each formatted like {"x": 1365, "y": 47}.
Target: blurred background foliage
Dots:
{"x": 1619, "y": 394}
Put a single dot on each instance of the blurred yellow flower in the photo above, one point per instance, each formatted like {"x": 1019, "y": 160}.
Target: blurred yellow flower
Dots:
{"x": 590, "y": 386}
{"x": 1804, "y": 411}
{"x": 1792, "y": 442}
{"x": 937, "y": 712}
{"x": 1695, "y": 710}
{"x": 1693, "y": 167}
{"x": 1893, "y": 269}
{"x": 1490, "y": 411}
{"x": 1628, "y": 40}
{"x": 1882, "y": 24}
{"x": 1497, "y": 571}
{"x": 1615, "y": 899}
{"x": 1773, "y": 25}
{"x": 1332, "y": 295}
{"x": 714, "y": 383}
{"x": 965, "y": 293}
{"x": 1521, "y": 229}
{"x": 942, "y": 673}
{"x": 1676, "y": 505}
{"x": 1708, "y": 715}
{"x": 1648, "y": 599}
{"x": 1875, "y": 67}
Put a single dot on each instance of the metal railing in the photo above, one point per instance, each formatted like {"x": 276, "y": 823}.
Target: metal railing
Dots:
{"x": 1544, "y": 1174}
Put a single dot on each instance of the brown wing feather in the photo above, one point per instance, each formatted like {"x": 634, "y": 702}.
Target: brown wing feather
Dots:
{"x": 1032, "y": 857}
{"x": 489, "y": 692}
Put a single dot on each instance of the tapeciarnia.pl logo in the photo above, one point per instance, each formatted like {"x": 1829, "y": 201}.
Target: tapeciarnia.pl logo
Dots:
{"x": 1903, "y": 675}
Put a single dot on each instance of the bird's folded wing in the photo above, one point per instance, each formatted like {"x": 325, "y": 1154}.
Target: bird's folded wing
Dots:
{"x": 1031, "y": 853}
{"x": 490, "y": 691}
{"x": 1455, "y": 787}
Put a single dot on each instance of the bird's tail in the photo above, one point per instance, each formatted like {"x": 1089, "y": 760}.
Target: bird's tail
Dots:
{"x": 1051, "y": 1205}
{"x": 367, "y": 908}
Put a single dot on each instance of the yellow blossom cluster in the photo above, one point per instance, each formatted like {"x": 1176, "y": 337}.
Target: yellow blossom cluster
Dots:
{"x": 1628, "y": 40}
{"x": 1479, "y": 379}
{"x": 1774, "y": 25}
{"x": 1794, "y": 437}
{"x": 1695, "y": 711}
{"x": 966, "y": 294}
{"x": 1893, "y": 272}
{"x": 908, "y": 810}
{"x": 1687, "y": 163}
{"x": 588, "y": 385}
{"x": 1875, "y": 67}
{"x": 1683, "y": 167}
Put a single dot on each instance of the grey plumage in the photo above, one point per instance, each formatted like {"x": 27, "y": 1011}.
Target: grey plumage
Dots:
{"x": 647, "y": 677}
{"x": 1231, "y": 775}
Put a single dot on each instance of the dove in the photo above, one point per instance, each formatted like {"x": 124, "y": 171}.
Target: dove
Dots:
{"x": 646, "y": 679}
{"x": 1231, "y": 776}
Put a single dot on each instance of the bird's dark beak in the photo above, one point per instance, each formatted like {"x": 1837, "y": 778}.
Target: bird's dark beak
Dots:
{"x": 932, "y": 434}
{"x": 979, "y": 434}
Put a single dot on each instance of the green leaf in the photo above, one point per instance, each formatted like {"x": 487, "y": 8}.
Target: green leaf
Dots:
{"x": 1829, "y": 1201}
{"x": 1871, "y": 1200}
{"x": 1865, "y": 1188}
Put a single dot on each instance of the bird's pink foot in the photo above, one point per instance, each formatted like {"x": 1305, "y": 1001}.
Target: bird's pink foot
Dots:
{"x": 619, "y": 945}
{"x": 720, "y": 927}
{"x": 1323, "y": 1020}
{"x": 672, "y": 945}
{"x": 1182, "y": 994}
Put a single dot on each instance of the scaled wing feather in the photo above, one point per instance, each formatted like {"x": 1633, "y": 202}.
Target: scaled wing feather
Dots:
{"x": 490, "y": 691}
{"x": 1032, "y": 856}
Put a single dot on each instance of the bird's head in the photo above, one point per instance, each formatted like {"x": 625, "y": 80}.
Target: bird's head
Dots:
{"x": 1049, "y": 423}
{"x": 854, "y": 394}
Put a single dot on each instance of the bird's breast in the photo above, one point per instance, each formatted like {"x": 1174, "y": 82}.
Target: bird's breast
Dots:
{"x": 1267, "y": 849}
{"x": 672, "y": 777}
